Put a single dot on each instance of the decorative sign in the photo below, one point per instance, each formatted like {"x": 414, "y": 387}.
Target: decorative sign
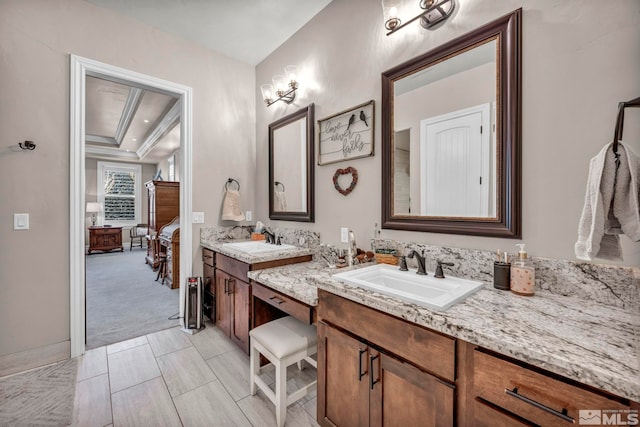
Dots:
{"x": 354, "y": 179}
{"x": 347, "y": 135}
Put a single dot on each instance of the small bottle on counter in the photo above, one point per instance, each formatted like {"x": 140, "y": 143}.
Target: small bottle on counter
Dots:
{"x": 523, "y": 275}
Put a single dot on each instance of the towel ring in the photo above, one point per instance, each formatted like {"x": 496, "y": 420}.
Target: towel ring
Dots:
{"x": 229, "y": 181}
{"x": 280, "y": 184}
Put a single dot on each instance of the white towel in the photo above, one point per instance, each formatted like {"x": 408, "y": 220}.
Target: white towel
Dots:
{"x": 609, "y": 210}
{"x": 279, "y": 201}
{"x": 231, "y": 206}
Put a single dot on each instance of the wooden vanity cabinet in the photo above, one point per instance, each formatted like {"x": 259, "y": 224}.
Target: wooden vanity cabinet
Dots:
{"x": 234, "y": 295}
{"x": 366, "y": 377}
{"x": 233, "y": 299}
{"x": 375, "y": 369}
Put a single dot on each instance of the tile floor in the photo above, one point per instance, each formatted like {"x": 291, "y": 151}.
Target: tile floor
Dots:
{"x": 171, "y": 378}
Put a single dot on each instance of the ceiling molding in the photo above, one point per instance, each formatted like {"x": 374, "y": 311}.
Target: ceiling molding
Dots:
{"x": 162, "y": 128}
{"x": 128, "y": 113}
{"x": 103, "y": 140}
{"x": 110, "y": 153}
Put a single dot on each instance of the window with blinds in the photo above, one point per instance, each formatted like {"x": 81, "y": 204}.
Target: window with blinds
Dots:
{"x": 119, "y": 191}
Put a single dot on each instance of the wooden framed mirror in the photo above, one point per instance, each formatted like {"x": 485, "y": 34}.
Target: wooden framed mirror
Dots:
{"x": 451, "y": 136}
{"x": 291, "y": 167}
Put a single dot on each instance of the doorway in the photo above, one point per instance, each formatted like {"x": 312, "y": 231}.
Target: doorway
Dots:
{"x": 455, "y": 159}
{"x": 81, "y": 68}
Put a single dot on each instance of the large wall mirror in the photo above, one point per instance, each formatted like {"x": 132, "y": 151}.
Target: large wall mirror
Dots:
{"x": 291, "y": 151}
{"x": 451, "y": 136}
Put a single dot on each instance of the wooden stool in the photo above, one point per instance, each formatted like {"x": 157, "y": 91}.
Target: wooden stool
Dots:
{"x": 283, "y": 342}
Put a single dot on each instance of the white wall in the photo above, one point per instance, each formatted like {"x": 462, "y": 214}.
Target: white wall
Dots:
{"x": 36, "y": 39}
{"x": 579, "y": 60}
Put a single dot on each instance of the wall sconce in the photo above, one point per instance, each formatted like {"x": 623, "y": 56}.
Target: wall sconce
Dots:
{"x": 283, "y": 87}
{"x": 434, "y": 12}
{"x": 93, "y": 208}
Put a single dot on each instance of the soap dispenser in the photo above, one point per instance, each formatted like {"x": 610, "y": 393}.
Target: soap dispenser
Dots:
{"x": 523, "y": 277}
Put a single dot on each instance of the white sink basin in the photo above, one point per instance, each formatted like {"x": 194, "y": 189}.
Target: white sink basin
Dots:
{"x": 258, "y": 247}
{"x": 427, "y": 291}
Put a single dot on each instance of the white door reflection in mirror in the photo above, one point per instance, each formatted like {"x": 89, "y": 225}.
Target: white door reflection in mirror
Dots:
{"x": 290, "y": 167}
{"x": 440, "y": 106}
{"x": 456, "y": 159}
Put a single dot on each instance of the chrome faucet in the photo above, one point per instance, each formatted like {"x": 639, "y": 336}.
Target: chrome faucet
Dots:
{"x": 421, "y": 261}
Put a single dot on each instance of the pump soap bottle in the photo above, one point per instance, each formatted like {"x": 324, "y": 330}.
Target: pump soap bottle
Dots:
{"x": 523, "y": 275}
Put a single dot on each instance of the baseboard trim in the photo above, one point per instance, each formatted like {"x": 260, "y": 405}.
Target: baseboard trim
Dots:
{"x": 29, "y": 359}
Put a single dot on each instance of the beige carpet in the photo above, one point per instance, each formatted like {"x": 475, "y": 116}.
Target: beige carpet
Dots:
{"x": 123, "y": 299}
{"x": 41, "y": 397}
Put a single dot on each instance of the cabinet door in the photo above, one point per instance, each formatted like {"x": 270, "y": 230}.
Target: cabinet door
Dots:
{"x": 239, "y": 295}
{"x": 343, "y": 387}
{"x": 223, "y": 309}
{"x": 403, "y": 395}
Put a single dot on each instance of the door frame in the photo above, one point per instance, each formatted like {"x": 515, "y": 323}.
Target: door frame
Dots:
{"x": 79, "y": 68}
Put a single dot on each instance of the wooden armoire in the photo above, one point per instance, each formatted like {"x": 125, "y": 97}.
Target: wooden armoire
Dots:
{"x": 164, "y": 203}
{"x": 163, "y": 207}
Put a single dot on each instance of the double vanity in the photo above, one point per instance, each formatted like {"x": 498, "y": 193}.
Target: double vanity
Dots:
{"x": 490, "y": 358}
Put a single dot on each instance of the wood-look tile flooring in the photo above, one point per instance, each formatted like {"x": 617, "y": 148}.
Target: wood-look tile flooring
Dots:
{"x": 171, "y": 378}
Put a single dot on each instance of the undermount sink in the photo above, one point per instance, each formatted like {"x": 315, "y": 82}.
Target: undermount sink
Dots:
{"x": 427, "y": 291}
{"x": 257, "y": 247}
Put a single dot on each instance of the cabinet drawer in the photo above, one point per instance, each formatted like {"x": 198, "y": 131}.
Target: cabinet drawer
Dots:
{"x": 207, "y": 257}
{"x": 232, "y": 266}
{"x": 535, "y": 396}
{"x": 485, "y": 415}
{"x": 106, "y": 231}
{"x": 290, "y": 306}
{"x": 426, "y": 349}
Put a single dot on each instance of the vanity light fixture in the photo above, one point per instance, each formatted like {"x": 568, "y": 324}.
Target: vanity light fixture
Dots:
{"x": 283, "y": 88}
{"x": 433, "y": 12}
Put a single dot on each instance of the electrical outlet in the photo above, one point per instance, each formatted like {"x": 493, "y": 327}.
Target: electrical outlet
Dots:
{"x": 21, "y": 221}
{"x": 248, "y": 215}
{"x": 198, "y": 217}
{"x": 344, "y": 235}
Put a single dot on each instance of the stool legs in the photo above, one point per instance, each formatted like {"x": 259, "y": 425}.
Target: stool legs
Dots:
{"x": 281, "y": 393}
{"x": 254, "y": 366}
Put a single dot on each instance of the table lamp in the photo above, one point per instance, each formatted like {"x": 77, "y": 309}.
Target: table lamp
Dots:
{"x": 94, "y": 208}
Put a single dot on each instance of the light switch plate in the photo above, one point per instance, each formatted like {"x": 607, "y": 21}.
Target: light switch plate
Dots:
{"x": 21, "y": 221}
{"x": 198, "y": 217}
{"x": 344, "y": 235}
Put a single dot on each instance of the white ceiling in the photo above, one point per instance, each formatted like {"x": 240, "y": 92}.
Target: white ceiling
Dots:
{"x": 247, "y": 30}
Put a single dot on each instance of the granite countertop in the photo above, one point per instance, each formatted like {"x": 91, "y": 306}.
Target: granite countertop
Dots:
{"x": 594, "y": 344}
{"x": 255, "y": 258}
{"x": 293, "y": 280}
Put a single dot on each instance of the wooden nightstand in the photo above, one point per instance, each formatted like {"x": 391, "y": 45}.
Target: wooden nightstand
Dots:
{"x": 105, "y": 239}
